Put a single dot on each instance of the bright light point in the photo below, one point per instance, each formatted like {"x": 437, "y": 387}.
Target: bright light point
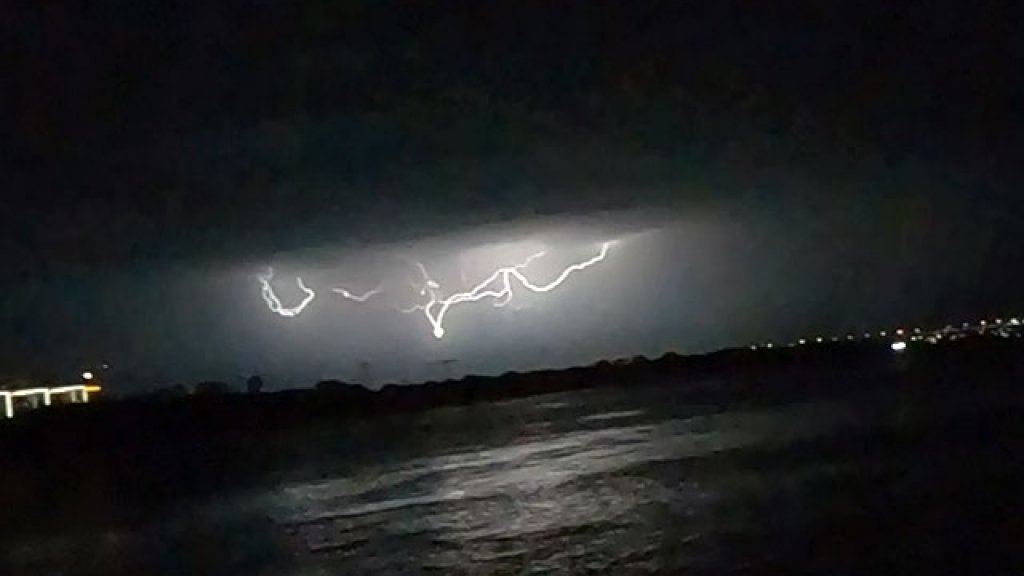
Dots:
{"x": 899, "y": 331}
{"x": 898, "y": 346}
{"x": 819, "y": 339}
{"x": 802, "y": 341}
{"x": 87, "y": 375}
{"x": 438, "y": 332}
{"x": 982, "y": 322}
{"x": 882, "y": 333}
{"x": 1014, "y": 321}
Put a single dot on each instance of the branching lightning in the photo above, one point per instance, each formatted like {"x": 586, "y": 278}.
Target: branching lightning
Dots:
{"x": 274, "y": 303}
{"x": 497, "y": 286}
{"x": 357, "y": 297}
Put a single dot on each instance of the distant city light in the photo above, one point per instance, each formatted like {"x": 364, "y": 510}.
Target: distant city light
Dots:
{"x": 898, "y": 346}
{"x": 87, "y": 375}
{"x": 46, "y": 394}
{"x": 802, "y": 341}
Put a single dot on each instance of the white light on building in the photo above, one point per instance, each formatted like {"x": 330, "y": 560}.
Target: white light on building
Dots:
{"x": 898, "y": 346}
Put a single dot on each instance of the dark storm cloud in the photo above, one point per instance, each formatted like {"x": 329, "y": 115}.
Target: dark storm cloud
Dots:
{"x": 871, "y": 149}
{"x": 148, "y": 131}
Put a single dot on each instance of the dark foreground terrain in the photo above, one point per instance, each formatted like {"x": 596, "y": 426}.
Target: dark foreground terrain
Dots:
{"x": 840, "y": 461}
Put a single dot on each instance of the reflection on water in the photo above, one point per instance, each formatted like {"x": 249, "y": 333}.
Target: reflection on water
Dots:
{"x": 597, "y": 481}
{"x": 549, "y": 502}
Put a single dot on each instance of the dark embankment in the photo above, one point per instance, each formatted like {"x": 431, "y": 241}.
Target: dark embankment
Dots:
{"x": 117, "y": 463}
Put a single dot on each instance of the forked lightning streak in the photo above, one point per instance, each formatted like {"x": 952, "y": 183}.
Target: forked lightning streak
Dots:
{"x": 498, "y": 286}
{"x": 274, "y": 303}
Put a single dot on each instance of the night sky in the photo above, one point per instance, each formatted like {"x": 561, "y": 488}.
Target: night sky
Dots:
{"x": 771, "y": 170}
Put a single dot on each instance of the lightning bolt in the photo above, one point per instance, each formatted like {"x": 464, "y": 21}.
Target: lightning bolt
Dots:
{"x": 497, "y": 286}
{"x": 357, "y": 297}
{"x": 274, "y": 303}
